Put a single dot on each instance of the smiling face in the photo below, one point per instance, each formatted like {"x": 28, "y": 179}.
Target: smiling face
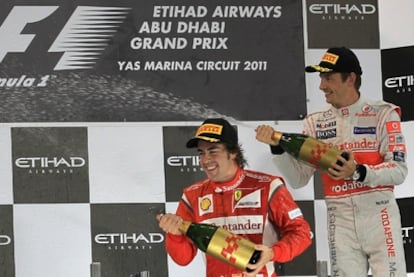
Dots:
{"x": 217, "y": 162}
{"x": 338, "y": 92}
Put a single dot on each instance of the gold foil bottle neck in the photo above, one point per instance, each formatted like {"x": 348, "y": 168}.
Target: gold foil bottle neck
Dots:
{"x": 184, "y": 226}
{"x": 276, "y": 137}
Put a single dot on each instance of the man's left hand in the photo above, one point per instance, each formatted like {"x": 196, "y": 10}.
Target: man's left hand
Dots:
{"x": 265, "y": 257}
{"x": 344, "y": 171}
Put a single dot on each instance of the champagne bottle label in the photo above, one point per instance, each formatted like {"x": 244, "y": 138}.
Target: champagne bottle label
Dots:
{"x": 231, "y": 248}
{"x": 222, "y": 244}
{"x": 318, "y": 153}
{"x": 308, "y": 149}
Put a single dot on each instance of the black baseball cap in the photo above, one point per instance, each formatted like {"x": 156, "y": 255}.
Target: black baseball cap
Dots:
{"x": 214, "y": 130}
{"x": 337, "y": 59}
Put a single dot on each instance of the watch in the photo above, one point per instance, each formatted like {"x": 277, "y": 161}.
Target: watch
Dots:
{"x": 359, "y": 173}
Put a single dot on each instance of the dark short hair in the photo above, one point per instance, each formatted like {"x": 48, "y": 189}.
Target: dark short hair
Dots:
{"x": 358, "y": 81}
{"x": 237, "y": 149}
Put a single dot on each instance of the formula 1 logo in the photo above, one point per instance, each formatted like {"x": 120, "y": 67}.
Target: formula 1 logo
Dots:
{"x": 82, "y": 40}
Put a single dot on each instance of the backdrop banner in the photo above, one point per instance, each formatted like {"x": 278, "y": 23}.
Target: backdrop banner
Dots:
{"x": 151, "y": 61}
{"x": 99, "y": 97}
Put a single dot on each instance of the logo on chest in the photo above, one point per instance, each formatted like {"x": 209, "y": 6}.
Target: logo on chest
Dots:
{"x": 326, "y": 134}
{"x": 246, "y": 199}
{"x": 369, "y": 130}
{"x": 239, "y": 199}
{"x": 205, "y": 204}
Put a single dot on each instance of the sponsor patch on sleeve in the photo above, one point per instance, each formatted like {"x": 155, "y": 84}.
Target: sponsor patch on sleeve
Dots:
{"x": 393, "y": 127}
{"x": 398, "y": 152}
{"x": 395, "y": 139}
{"x": 397, "y": 148}
{"x": 295, "y": 213}
{"x": 398, "y": 156}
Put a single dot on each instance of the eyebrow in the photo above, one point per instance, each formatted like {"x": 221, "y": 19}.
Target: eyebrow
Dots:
{"x": 210, "y": 148}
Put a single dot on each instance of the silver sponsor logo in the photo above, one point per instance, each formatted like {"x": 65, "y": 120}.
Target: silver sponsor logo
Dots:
{"x": 400, "y": 83}
{"x": 342, "y": 9}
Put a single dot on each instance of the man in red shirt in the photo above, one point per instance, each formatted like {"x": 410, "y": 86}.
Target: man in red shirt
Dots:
{"x": 248, "y": 203}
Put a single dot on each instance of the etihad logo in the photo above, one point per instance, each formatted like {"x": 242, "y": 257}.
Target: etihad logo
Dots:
{"x": 348, "y": 12}
{"x": 129, "y": 241}
{"x": 4, "y": 240}
{"x": 408, "y": 234}
{"x": 400, "y": 84}
{"x": 48, "y": 165}
{"x": 342, "y": 9}
{"x": 82, "y": 40}
{"x": 46, "y": 162}
{"x": 185, "y": 163}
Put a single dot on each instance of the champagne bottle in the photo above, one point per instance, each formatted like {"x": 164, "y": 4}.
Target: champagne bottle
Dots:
{"x": 222, "y": 244}
{"x": 309, "y": 149}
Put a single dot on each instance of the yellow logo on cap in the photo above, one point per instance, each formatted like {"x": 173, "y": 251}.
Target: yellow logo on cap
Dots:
{"x": 210, "y": 128}
{"x": 330, "y": 58}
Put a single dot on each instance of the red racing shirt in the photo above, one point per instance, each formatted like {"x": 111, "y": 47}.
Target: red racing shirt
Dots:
{"x": 254, "y": 205}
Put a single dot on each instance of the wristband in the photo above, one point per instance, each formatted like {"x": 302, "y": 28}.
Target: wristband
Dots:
{"x": 359, "y": 173}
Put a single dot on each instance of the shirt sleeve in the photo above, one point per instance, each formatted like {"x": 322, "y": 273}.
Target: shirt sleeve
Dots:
{"x": 180, "y": 248}
{"x": 296, "y": 173}
{"x": 294, "y": 231}
{"x": 393, "y": 170}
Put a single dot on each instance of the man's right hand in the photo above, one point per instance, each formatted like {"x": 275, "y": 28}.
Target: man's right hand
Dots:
{"x": 170, "y": 223}
{"x": 264, "y": 133}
